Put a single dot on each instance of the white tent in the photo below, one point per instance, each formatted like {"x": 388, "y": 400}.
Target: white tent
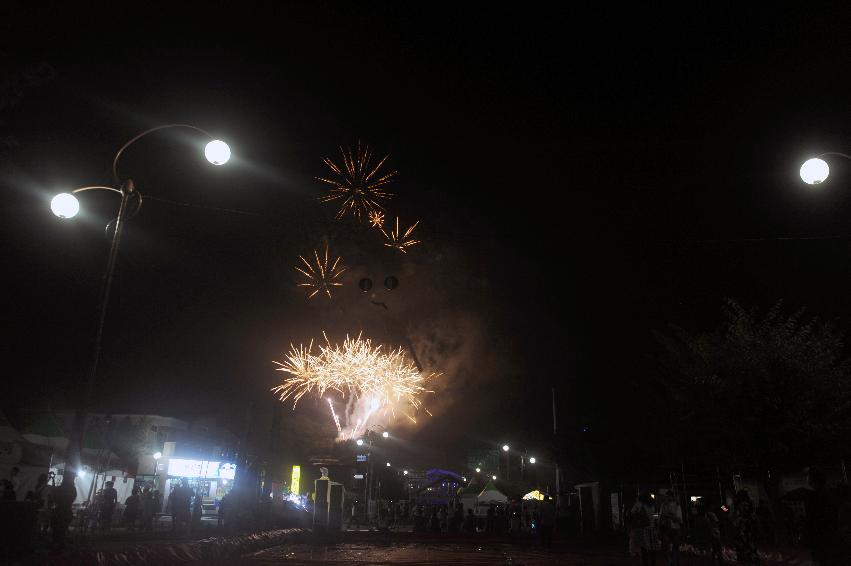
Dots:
{"x": 490, "y": 494}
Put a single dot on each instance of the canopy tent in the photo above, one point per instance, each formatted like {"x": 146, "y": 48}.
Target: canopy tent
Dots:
{"x": 490, "y": 494}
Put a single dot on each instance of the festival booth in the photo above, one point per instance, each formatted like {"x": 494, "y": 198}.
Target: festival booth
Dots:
{"x": 490, "y": 496}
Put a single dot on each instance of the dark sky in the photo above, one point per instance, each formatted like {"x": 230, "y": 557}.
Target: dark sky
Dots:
{"x": 583, "y": 177}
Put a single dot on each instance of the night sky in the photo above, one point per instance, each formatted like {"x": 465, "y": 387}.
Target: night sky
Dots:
{"x": 583, "y": 177}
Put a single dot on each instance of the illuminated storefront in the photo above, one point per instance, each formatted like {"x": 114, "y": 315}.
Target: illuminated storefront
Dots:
{"x": 212, "y": 479}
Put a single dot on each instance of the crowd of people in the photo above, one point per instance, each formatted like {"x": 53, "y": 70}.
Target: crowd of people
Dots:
{"x": 657, "y": 527}
{"x": 536, "y": 518}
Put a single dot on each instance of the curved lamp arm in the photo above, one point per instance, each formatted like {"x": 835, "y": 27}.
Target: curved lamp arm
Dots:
{"x": 101, "y": 187}
{"x": 845, "y": 155}
{"x": 145, "y": 133}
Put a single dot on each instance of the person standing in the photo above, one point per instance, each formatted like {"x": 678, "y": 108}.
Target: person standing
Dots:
{"x": 547, "y": 521}
{"x": 744, "y": 521}
{"x": 109, "y": 499}
{"x": 642, "y": 519}
{"x": 63, "y": 497}
{"x": 671, "y": 518}
{"x": 147, "y": 508}
{"x": 132, "y": 508}
{"x": 197, "y": 511}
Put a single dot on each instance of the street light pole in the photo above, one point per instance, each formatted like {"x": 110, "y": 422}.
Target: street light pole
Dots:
{"x": 65, "y": 206}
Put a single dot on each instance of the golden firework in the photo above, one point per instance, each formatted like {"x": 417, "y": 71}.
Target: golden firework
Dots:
{"x": 358, "y": 184}
{"x": 397, "y": 239}
{"x": 319, "y": 276}
{"x": 376, "y": 218}
{"x": 387, "y": 382}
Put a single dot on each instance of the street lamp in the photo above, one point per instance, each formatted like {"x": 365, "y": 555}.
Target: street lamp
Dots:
{"x": 532, "y": 460}
{"x": 385, "y": 434}
{"x": 359, "y": 441}
{"x": 478, "y": 470}
{"x": 66, "y": 205}
{"x": 815, "y": 171}
{"x": 505, "y": 448}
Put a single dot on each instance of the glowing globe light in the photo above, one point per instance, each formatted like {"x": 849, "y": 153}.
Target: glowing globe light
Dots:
{"x": 388, "y": 464}
{"x": 359, "y": 441}
{"x": 478, "y": 470}
{"x": 505, "y": 447}
{"x": 532, "y": 460}
{"x": 385, "y": 434}
{"x": 158, "y": 455}
{"x": 814, "y": 171}
{"x": 217, "y": 152}
{"x": 65, "y": 205}
{"x": 405, "y": 472}
{"x": 493, "y": 478}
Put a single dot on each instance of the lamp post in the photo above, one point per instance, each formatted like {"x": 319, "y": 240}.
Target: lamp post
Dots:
{"x": 370, "y": 432}
{"x": 506, "y": 448}
{"x": 815, "y": 171}
{"x": 65, "y": 205}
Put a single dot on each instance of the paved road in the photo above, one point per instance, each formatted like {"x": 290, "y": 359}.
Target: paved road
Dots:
{"x": 420, "y": 553}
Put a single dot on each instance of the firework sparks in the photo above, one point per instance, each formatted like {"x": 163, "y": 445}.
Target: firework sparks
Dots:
{"x": 357, "y": 369}
{"x": 398, "y": 240}
{"x": 376, "y": 219}
{"x": 319, "y": 277}
{"x": 336, "y": 418}
{"x": 358, "y": 184}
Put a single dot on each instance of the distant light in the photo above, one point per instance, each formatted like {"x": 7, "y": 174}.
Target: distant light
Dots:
{"x": 478, "y": 470}
{"x": 224, "y": 482}
{"x": 359, "y": 441}
{"x": 65, "y": 205}
{"x": 814, "y": 171}
{"x": 505, "y": 447}
{"x": 465, "y": 479}
{"x": 653, "y": 496}
{"x": 388, "y": 464}
{"x": 217, "y": 152}
{"x": 385, "y": 434}
{"x": 695, "y": 498}
{"x": 405, "y": 472}
{"x": 493, "y": 478}
{"x": 724, "y": 508}
{"x": 532, "y": 460}
{"x": 158, "y": 455}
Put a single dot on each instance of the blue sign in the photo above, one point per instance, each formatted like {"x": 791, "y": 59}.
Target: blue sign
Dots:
{"x": 361, "y": 457}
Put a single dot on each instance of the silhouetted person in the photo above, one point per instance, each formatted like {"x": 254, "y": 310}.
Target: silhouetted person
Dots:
{"x": 197, "y": 511}
{"x": 469, "y": 522}
{"x": 63, "y": 497}
{"x": 180, "y": 499}
{"x": 132, "y": 509}
{"x": 15, "y": 480}
{"x": 148, "y": 509}
{"x": 109, "y": 498}
{"x": 489, "y": 520}
{"x": 641, "y": 516}
{"x": 671, "y": 519}
{"x": 744, "y": 521}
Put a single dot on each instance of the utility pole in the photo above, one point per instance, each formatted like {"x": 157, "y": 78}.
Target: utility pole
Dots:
{"x": 555, "y": 436}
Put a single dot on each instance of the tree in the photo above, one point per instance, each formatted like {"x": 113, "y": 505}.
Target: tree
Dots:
{"x": 758, "y": 392}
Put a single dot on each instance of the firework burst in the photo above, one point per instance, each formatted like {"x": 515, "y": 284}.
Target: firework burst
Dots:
{"x": 386, "y": 382}
{"x": 318, "y": 276}
{"x": 376, "y": 219}
{"x": 398, "y": 240}
{"x": 357, "y": 185}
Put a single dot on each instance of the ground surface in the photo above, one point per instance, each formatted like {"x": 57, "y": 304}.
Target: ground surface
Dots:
{"x": 414, "y": 553}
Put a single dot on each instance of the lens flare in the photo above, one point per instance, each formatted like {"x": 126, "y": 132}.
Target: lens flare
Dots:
{"x": 318, "y": 276}
{"x": 358, "y": 184}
